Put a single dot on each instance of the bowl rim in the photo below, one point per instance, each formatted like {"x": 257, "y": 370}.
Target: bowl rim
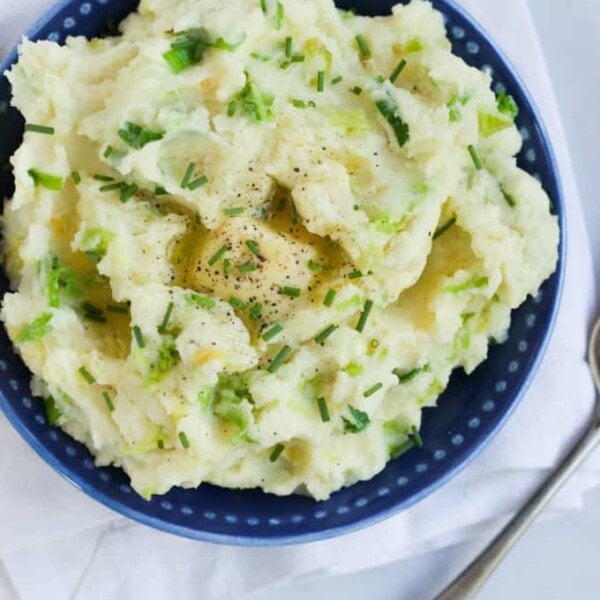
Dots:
{"x": 162, "y": 525}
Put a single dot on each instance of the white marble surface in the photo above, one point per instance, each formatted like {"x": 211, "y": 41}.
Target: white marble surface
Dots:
{"x": 556, "y": 559}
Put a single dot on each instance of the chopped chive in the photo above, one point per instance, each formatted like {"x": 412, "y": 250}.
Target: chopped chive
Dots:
{"x": 362, "y": 321}
{"x": 247, "y": 267}
{"x": 93, "y": 313}
{"x": 33, "y": 128}
{"x": 279, "y": 359}
{"x": 329, "y": 297}
{"x": 109, "y": 150}
{"x": 292, "y": 292}
{"x": 139, "y": 337}
{"x": 261, "y": 57}
{"x": 263, "y": 6}
{"x": 256, "y": 311}
{"x": 396, "y": 72}
{"x": 200, "y": 300}
{"x": 402, "y": 448}
{"x": 276, "y": 453}
{"x": 294, "y": 212}
{"x": 315, "y": 266}
{"x": 183, "y": 438}
{"x": 137, "y": 137}
{"x": 232, "y": 108}
{"x": 321, "y": 337}
{"x": 127, "y": 191}
{"x": 415, "y": 436}
{"x": 165, "y": 322}
{"x": 361, "y": 420}
{"x": 227, "y": 266}
{"x": 337, "y": 80}
{"x": 312, "y": 103}
{"x": 323, "y": 410}
{"x": 76, "y": 177}
{"x": 297, "y": 58}
{"x": 232, "y": 212}
{"x": 443, "y": 228}
{"x": 237, "y": 303}
{"x": 355, "y": 275}
{"x": 198, "y": 218}
{"x": 187, "y": 177}
{"x": 100, "y": 177}
{"x": 160, "y": 444}
{"x": 109, "y": 402}
{"x": 273, "y": 332}
{"x": 87, "y": 375}
{"x": 253, "y": 247}
{"x": 407, "y": 376}
{"x": 509, "y": 199}
{"x": 475, "y": 157}
{"x": 288, "y": 47}
{"x": 372, "y": 390}
{"x": 298, "y": 103}
{"x": 356, "y": 90}
{"x": 218, "y": 254}
{"x": 51, "y": 182}
{"x": 362, "y": 46}
{"x": 111, "y": 187}
{"x": 159, "y": 190}
{"x": 197, "y": 183}
{"x": 320, "y": 81}
{"x": 118, "y": 308}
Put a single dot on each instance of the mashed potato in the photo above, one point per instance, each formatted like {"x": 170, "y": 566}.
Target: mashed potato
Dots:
{"x": 250, "y": 240}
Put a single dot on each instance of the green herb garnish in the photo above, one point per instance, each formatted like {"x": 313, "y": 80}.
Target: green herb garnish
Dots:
{"x": 76, "y": 177}
{"x": 90, "y": 379}
{"x": 253, "y": 247}
{"x": 337, "y": 80}
{"x": 54, "y": 183}
{"x": 389, "y": 110}
{"x": 323, "y": 410}
{"x": 396, "y": 72}
{"x": 292, "y": 292}
{"x": 118, "y": 308}
{"x": 33, "y": 128}
{"x": 237, "y": 303}
{"x": 320, "y": 81}
{"x": 443, "y": 228}
{"x": 232, "y": 108}
{"x": 329, "y": 297}
{"x": 183, "y": 438}
{"x": 53, "y": 413}
{"x": 247, "y": 267}
{"x": 321, "y": 337}
{"x": 139, "y": 336}
{"x": 279, "y": 359}
{"x": 165, "y": 322}
{"x": 507, "y": 105}
{"x": 362, "y": 46}
{"x": 137, "y": 137}
{"x": 201, "y": 300}
{"x": 93, "y": 313}
{"x": 36, "y": 330}
{"x": 315, "y": 266}
{"x": 415, "y": 436}
{"x": 109, "y": 402}
{"x": 218, "y": 254}
{"x": 410, "y": 375}
{"x": 234, "y": 211}
{"x": 276, "y": 453}
{"x": 475, "y": 157}
{"x": 256, "y": 104}
{"x": 355, "y": 275}
{"x": 273, "y": 332}
{"x": 256, "y": 311}
{"x": 372, "y": 390}
{"x": 361, "y": 420}
{"x": 362, "y": 321}
{"x": 356, "y": 90}
{"x": 508, "y": 197}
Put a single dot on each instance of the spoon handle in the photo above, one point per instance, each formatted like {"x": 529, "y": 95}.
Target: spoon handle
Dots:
{"x": 470, "y": 581}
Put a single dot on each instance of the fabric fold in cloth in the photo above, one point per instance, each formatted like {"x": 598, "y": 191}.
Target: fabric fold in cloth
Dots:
{"x": 48, "y": 523}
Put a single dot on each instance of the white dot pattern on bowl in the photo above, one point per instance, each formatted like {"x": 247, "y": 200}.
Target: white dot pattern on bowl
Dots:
{"x": 252, "y": 521}
{"x": 530, "y": 320}
{"x": 421, "y": 468}
{"x": 458, "y": 33}
{"x": 530, "y": 155}
{"x": 401, "y": 481}
{"x": 69, "y": 23}
{"x": 88, "y": 464}
{"x": 187, "y": 510}
{"x": 499, "y": 88}
{"x": 14, "y": 384}
{"x": 383, "y": 491}
{"x": 522, "y": 346}
{"x": 125, "y": 489}
{"x": 472, "y": 47}
{"x": 85, "y": 8}
{"x": 439, "y": 454}
{"x": 500, "y": 386}
{"x": 40, "y": 419}
{"x": 230, "y": 518}
{"x": 360, "y": 502}
{"x": 208, "y": 514}
{"x": 53, "y": 435}
{"x": 342, "y": 510}
{"x": 70, "y": 450}
{"x": 513, "y": 366}
{"x": 27, "y": 402}
{"x": 488, "y": 69}
{"x": 458, "y": 439}
{"x": 274, "y": 521}
{"x": 488, "y": 406}
{"x": 54, "y": 36}
{"x": 474, "y": 423}
{"x": 320, "y": 514}
{"x": 105, "y": 476}
{"x": 3, "y": 109}
{"x": 297, "y": 519}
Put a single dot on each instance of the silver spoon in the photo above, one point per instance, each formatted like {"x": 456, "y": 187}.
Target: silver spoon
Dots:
{"x": 470, "y": 581}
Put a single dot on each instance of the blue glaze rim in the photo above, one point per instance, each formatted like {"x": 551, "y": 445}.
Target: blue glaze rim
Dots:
{"x": 463, "y": 458}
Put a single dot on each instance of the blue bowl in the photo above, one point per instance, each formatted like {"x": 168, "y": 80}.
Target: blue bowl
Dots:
{"x": 470, "y": 412}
